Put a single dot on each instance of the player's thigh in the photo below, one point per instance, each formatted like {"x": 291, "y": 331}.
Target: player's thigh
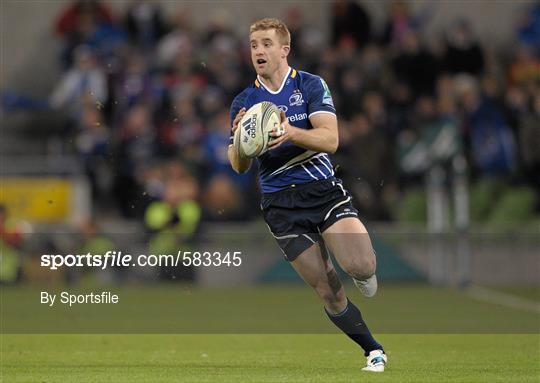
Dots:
{"x": 349, "y": 242}
{"x": 312, "y": 265}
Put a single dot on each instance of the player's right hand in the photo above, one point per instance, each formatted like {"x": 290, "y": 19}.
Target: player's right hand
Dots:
{"x": 237, "y": 119}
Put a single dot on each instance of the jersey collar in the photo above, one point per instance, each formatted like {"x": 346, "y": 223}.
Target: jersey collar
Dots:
{"x": 260, "y": 82}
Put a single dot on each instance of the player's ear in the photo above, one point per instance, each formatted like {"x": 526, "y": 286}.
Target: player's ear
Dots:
{"x": 285, "y": 49}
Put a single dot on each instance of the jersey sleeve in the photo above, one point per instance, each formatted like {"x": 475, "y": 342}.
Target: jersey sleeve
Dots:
{"x": 318, "y": 96}
{"x": 237, "y": 104}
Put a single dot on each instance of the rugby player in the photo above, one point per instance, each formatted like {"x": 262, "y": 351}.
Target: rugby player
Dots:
{"x": 306, "y": 207}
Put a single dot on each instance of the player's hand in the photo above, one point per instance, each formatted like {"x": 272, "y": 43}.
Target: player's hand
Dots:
{"x": 237, "y": 119}
{"x": 281, "y": 133}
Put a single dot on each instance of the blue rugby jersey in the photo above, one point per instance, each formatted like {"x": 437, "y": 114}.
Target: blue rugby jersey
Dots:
{"x": 300, "y": 96}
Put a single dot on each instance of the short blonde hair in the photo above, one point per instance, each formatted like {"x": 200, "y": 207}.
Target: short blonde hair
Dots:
{"x": 279, "y": 26}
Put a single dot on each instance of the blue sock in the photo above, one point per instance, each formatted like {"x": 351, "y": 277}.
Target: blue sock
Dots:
{"x": 351, "y": 323}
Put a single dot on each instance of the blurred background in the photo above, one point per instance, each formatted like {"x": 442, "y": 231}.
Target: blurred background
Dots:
{"x": 115, "y": 126}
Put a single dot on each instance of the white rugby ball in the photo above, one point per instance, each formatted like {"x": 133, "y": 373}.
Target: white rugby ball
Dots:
{"x": 255, "y": 127}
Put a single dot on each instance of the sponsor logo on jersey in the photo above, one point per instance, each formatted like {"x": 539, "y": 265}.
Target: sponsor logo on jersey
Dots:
{"x": 283, "y": 108}
{"x": 296, "y": 98}
{"x": 297, "y": 117}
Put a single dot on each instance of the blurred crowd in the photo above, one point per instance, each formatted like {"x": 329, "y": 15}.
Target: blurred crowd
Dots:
{"x": 145, "y": 98}
{"x": 148, "y": 99}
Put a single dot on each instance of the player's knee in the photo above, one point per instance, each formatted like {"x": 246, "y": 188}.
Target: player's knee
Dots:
{"x": 361, "y": 266}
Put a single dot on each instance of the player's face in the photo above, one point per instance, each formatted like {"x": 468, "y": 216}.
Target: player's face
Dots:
{"x": 267, "y": 53}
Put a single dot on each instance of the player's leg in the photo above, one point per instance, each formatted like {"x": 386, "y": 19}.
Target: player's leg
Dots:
{"x": 316, "y": 268}
{"x": 349, "y": 242}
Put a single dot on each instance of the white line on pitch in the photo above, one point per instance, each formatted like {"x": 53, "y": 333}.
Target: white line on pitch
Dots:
{"x": 503, "y": 299}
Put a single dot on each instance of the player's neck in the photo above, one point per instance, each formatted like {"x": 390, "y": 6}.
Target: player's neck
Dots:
{"x": 274, "y": 81}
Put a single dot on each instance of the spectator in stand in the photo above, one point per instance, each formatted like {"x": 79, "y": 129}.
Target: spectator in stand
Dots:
{"x": 223, "y": 57}
{"x": 83, "y": 85}
{"x": 529, "y": 31}
{"x": 93, "y": 147}
{"x": 491, "y": 143}
{"x": 89, "y": 23}
{"x": 215, "y": 151}
{"x": 415, "y": 66}
{"x": 463, "y": 53}
{"x": 153, "y": 181}
{"x": 227, "y": 194}
{"x": 176, "y": 212}
{"x": 145, "y": 24}
{"x": 69, "y": 19}
{"x": 326, "y": 67}
{"x": 373, "y": 67}
{"x": 529, "y": 138}
{"x": 179, "y": 41}
{"x": 308, "y": 41}
{"x": 350, "y": 20}
{"x": 210, "y": 102}
{"x": 181, "y": 131}
{"x": 411, "y": 148}
{"x": 399, "y": 24}
{"x": 173, "y": 221}
{"x": 400, "y": 103}
{"x": 350, "y": 88}
{"x": 365, "y": 159}
{"x": 220, "y": 26}
{"x": 374, "y": 108}
{"x": 294, "y": 21}
{"x": 135, "y": 85}
{"x": 135, "y": 150}
{"x": 524, "y": 69}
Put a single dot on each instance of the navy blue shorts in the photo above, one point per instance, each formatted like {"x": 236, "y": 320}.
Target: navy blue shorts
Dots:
{"x": 297, "y": 216}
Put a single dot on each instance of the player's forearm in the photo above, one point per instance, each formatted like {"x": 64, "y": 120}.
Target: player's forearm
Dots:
{"x": 318, "y": 140}
{"x": 238, "y": 163}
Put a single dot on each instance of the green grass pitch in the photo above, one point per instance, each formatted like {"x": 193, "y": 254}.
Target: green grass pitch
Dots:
{"x": 266, "y": 358}
{"x": 413, "y": 322}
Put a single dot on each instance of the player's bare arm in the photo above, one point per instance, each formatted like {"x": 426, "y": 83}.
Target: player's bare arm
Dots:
{"x": 322, "y": 138}
{"x": 239, "y": 163}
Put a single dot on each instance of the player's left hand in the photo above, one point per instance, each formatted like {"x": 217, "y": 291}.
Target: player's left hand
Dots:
{"x": 281, "y": 133}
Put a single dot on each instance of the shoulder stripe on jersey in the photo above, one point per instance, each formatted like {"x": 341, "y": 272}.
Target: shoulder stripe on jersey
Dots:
{"x": 257, "y": 84}
{"x": 293, "y": 75}
{"x": 321, "y": 111}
